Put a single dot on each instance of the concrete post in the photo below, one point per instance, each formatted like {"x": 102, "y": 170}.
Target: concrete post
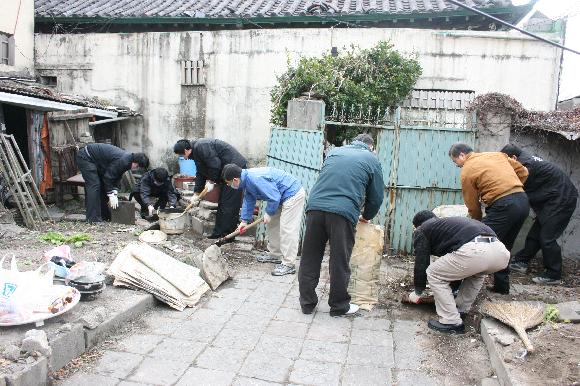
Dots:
{"x": 305, "y": 114}
{"x": 493, "y": 132}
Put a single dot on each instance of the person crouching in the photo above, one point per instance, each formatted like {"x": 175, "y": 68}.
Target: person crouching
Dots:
{"x": 155, "y": 190}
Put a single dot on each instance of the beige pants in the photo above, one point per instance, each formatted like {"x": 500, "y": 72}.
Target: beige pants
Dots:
{"x": 283, "y": 231}
{"x": 471, "y": 263}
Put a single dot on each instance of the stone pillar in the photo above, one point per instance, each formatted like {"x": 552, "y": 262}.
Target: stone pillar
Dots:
{"x": 493, "y": 131}
{"x": 305, "y": 114}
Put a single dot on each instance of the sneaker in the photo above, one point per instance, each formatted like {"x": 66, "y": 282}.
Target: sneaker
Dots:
{"x": 446, "y": 328}
{"x": 519, "y": 267}
{"x": 282, "y": 270}
{"x": 546, "y": 280}
{"x": 353, "y": 309}
{"x": 268, "y": 259}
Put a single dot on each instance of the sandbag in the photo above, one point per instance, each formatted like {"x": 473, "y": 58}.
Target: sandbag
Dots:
{"x": 450, "y": 211}
{"x": 365, "y": 265}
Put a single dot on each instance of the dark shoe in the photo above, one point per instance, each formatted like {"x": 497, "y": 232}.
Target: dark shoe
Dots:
{"x": 520, "y": 267}
{"x": 144, "y": 215}
{"x": 463, "y": 315}
{"x": 446, "y": 328}
{"x": 213, "y": 236}
{"x": 545, "y": 280}
{"x": 501, "y": 291}
{"x": 228, "y": 241}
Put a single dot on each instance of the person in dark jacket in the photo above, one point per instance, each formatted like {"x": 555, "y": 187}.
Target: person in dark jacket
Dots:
{"x": 553, "y": 198}
{"x": 102, "y": 166}
{"x": 351, "y": 178}
{"x": 469, "y": 250}
{"x": 210, "y": 156}
{"x": 155, "y": 190}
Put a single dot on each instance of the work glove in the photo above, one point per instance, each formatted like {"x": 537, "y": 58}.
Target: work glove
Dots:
{"x": 194, "y": 200}
{"x": 414, "y": 298}
{"x": 242, "y": 227}
{"x": 267, "y": 218}
{"x": 362, "y": 219}
{"x": 113, "y": 199}
{"x": 209, "y": 185}
{"x": 151, "y": 209}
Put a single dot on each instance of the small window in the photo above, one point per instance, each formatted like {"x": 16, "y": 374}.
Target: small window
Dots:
{"x": 5, "y": 41}
{"x": 192, "y": 72}
{"x": 48, "y": 81}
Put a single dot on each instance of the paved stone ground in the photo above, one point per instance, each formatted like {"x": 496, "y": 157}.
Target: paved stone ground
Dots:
{"x": 252, "y": 332}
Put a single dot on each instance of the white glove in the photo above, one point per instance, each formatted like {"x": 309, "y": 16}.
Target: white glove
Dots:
{"x": 194, "y": 200}
{"x": 267, "y": 218}
{"x": 113, "y": 200}
{"x": 414, "y": 298}
{"x": 151, "y": 209}
{"x": 209, "y": 186}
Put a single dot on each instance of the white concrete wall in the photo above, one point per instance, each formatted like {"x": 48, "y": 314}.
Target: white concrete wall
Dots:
{"x": 143, "y": 72}
{"x": 17, "y": 18}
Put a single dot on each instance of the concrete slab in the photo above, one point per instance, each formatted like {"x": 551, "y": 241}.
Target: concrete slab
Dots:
{"x": 358, "y": 375}
{"x": 279, "y": 345}
{"x": 267, "y": 367}
{"x": 318, "y": 351}
{"x": 489, "y": 327}
{"x": 177, "y": 349}
{"x": 118, "y": 364}
{"x": 159, "y": 371}
{"x": 221, "y": 358}
{"x": 193, "y": 376}
{"x": 29, "y": 374}
{"x": 569, "y": 311}
{"x": 315, "y": 373}
{"x": 66, "y": 346}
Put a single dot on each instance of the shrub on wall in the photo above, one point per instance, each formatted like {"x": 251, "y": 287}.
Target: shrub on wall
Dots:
{"x": 379, "y": 76}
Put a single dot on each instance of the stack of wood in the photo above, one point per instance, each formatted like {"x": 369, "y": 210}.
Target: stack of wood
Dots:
{"x": 141, "y": 266}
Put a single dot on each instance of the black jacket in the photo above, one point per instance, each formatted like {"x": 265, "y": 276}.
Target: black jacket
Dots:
{"x": 546, "y": 183}
{"x": 210, "y": 156}
{"x": 440, "y": 236}
{"x": 111, "y": 163}
{"x": 149, "y": 191}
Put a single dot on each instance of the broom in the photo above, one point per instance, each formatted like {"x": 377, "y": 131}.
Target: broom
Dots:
{"x": 518, "y": 315}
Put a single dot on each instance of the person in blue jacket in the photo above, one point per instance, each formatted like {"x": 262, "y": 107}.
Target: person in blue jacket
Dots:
{"x": 351, "y": 178}
{"x": 284, "y": 196}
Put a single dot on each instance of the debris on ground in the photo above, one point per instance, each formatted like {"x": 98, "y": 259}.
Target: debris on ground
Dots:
{"x": 213, "y": 266}
{"x": 36, "y": 341}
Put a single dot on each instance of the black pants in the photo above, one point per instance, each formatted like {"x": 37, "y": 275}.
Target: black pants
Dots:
{"x": 506, "y": 217}
{"x": 228, "y": 213}
{"x": 160, "y": 203}
{"x": 96, "y": 200}
{"x": 551, "y": 221}
{"x": 320, "y": 228}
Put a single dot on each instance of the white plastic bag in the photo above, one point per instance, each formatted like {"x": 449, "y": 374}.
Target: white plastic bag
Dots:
{"x": 12, "y": 284}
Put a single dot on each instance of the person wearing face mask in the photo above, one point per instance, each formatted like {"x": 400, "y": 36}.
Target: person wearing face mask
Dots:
{"x": 210, "y": 156}
{"x": 284, "y": 196}
{"x": 154, "y": 190}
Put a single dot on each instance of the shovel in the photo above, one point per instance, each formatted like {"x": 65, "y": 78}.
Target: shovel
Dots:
{"x": 188, "y": 207}
{"x": 222, "y": 240}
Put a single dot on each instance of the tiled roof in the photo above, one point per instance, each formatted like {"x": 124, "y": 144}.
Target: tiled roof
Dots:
{"x": 246, "y": 8}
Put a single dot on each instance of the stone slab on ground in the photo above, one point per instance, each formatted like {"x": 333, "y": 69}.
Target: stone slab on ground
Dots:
{"x": 27, "y": 374}
{"x": 66, "y": 346}
{"x": 569, "y": 311}
{"x": 490, "y": 328}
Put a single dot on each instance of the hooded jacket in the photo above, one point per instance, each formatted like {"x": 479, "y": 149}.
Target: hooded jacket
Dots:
{"x": 210, "y": 156}
{"x": 150, "y": 191}
{"x": 351, "y": 178}
{"x": 111, "y": 163}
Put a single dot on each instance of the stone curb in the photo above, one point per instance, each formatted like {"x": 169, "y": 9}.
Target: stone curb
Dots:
{"x": 71, "y": 344}
{"x": 497, "y": 363}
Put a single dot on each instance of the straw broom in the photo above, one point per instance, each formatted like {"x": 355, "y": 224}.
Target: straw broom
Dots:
{"x": 518, "y": 315}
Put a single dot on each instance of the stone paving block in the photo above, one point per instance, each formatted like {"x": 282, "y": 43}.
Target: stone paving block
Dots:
{"x": 324, "y": 319}
{"x": 279, "y": 345}
{"x": 291, "y": 302}
{"x": 220, "y": 358}
{"x": 286, "y": 279}
{"x": 328, "y": 333}
{"x": 293, "y": 315}
{"x": 160, "y": 325}
{"x": 375, "y": 324}
{"x": 569, "y": 311}
{"x": 371, "y": 338}
{"x": 35, "y": 373}
{"x": 66, "y": 346}
{"x": 140, "y": 343}
{"x": 159, "y": 371}
{"x": 234, "y": 293}
{"x": 118, "y": 364}
{"x": 178, "y": 349}
{"x": 200, "y": 332}
{"x": 267, "y": 367}
{"x": 165, "y": 311}
{"x": 82, "y": 379}
{"x": 406, "y": 340}
{"x": 324, "y": 351}
{"x": 381, "y": 356}
{"x": 248, "y": 322}
{"x": 290, "y": 329}
{"x": 235, "y": 338}
{"x": 210, "y": 316}
{"x": 244, "y": 381}
{"x": 275, "y": 298}
{"x": 245, "y": 283}
{"x": 196, "y": 376}
{"x": 315, "y": 373}
{"x": 257, "y": 308}
{"x": 413, "y": 378}
{"x": 273, "y": 286}
{"x": 226, "y": 305}
{"x": 129, "y": 383}
{"x": 357, "y": 375}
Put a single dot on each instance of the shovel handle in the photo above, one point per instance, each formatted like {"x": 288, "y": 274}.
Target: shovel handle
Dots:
{"x": 237, "y": 232}
{"x": 188, "y": 207}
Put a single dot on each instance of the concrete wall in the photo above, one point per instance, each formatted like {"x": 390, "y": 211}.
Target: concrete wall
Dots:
{"x": 143, "y": 72}
{"x": 17, "y": 18}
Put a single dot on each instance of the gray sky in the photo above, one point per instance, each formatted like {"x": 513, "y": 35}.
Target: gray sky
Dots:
{"x": 555, "y": 9}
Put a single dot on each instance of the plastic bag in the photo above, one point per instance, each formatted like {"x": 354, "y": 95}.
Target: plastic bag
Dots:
{"x": 12, "y": 283}
{"x": 88, "y": 270}
{"x": 62, "y": 251}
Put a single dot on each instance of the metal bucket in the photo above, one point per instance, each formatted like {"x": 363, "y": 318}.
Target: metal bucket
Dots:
{"x": 172, "y": 222}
